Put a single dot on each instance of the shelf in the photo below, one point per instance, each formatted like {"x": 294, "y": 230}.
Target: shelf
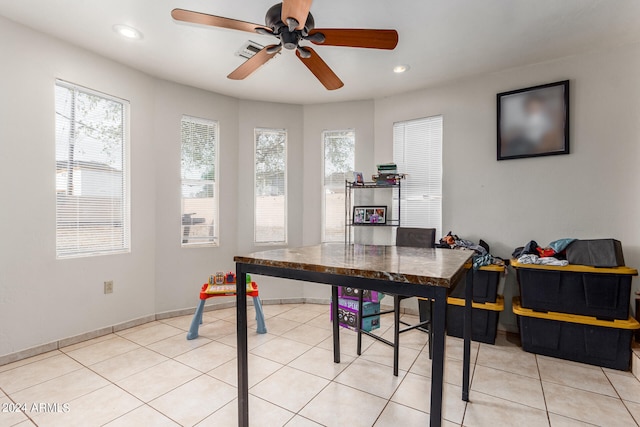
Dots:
{"x": 393, "y": 213}
{"x": 371, "y": 185}
{"x": 395, "y": 224}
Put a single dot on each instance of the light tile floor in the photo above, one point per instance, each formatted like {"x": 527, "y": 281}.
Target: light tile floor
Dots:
{"x": 152, "y": 375}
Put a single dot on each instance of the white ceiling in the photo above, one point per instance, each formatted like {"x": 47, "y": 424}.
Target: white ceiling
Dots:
{"x": 442, "y": 40}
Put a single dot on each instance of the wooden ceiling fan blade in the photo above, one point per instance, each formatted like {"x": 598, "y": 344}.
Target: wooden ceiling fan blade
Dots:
{"x": 321, "y": 70}
{"x": 214, "y": 21}
{"x": 296, "y": 9}
{"x": 352, "y": 37}
{"x": 252, "y": 64}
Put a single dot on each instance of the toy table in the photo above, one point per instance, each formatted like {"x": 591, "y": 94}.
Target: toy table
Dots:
{"x": 224, "y": 290}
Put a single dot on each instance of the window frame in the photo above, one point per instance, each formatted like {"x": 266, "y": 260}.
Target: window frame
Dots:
{"x": 216, "y": 192}
{"x": 126, "y": 175}
{"x": 285, "y": 240}
{"x": 323, "y": 235}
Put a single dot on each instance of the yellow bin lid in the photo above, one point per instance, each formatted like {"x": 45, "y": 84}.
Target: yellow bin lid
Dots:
{"x": 578, "y": 268}
{"x": 493, "y": 306}
{"x": 490, "y": 267}
{"x": 630, "y": 323}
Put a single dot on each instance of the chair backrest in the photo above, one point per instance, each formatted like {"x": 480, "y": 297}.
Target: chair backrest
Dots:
{"x": 416, "y": 237}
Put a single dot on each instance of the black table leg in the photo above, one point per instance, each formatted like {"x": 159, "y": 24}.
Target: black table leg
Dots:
{"x": 396, "y": 334}
{"x": 243, "y": 374}
{"x": 437, "y": 362}
{"x": 336, "y": 326}
{"x": 466, "y": 334}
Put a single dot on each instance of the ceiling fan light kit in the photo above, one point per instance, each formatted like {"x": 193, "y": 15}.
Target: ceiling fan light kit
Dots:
{"x": 291, "y": 23}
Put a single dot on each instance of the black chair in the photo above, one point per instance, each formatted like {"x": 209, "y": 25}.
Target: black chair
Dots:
{"x": 416, "y": 238}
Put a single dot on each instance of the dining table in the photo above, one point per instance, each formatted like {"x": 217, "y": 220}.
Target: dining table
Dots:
{"x": 415, "y": 272}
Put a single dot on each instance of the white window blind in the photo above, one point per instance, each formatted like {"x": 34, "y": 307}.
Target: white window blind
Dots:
{"x": 417, "y": 150}
{"x": 339, "y": 164}
{"x": 92, "y": 198}
{"x": 199, "y": 168}
{"x": 270, "y": 221}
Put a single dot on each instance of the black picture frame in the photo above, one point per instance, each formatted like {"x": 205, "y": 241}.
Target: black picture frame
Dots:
{"x": 369, "y": 215}
{"x": 534, "y": 121}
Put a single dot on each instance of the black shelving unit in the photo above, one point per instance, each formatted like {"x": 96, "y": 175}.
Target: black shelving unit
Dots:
{"x": 393, "y": 215}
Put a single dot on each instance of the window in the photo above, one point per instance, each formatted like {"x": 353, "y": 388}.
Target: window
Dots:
{"x": 199, "y": 142}
{"x": 92, "y": 188}
{"x": 339, "y": 164}
{"x": 417, "y": 150}
{"x": 270, "y": 222}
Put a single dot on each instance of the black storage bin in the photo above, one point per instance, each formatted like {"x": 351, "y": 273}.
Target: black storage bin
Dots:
{"x": 588, "y": 291}
{"x": 605, "y": 343}
{"x": 596, "y": 253}
{"x": 484, "y": 319}
{"x": 485, "y": 284}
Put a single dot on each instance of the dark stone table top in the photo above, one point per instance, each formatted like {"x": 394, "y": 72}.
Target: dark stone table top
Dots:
{"x": 435, "y": 267}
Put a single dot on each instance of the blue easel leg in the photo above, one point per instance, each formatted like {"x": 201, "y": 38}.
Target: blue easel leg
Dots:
{"x": 261, "y": 328}
{"x": 197, "y": 320}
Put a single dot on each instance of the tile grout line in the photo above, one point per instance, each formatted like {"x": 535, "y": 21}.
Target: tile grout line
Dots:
{"x": 15, "y": 403}
{"x": 583, "y": 390}
{"x": 143, "y": 403}
{"x": 624, "y": 402}
{"x": 546, "y": 410}
{"x": 395, "y": 391}
{"x": 618, "y": 394}
{"x": 472, "y": 376}
{"x": 544, "y": 397}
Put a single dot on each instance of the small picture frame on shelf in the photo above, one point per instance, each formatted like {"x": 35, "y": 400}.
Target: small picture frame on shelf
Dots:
{"x": 358, "y": 178}
{"x": 370, "y": 215}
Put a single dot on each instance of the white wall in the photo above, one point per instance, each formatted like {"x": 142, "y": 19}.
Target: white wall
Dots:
{"x": 43, "y": 299}
{"x": 179, "y": 271}
{"x": 253, "y": 114}
{"x": 591, "y": 193}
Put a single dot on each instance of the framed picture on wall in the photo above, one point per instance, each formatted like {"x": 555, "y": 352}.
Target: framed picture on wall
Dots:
{"x": 370, "y": 215}
{"x": 533, "y": 121}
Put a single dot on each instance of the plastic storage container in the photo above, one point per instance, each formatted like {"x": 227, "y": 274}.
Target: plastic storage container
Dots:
{"x": 585, "y": 339}
{"x": 485, "y": 284}
{"x": 597, "y": 253}
{"x": 576, "y": 289}
{"x": 348, "y": 314}
{"x": 484, "y": 319}
{"x": 353, "y": 293}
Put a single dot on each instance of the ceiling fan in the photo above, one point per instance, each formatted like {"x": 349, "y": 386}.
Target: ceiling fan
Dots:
{"x": 291, "y": 22}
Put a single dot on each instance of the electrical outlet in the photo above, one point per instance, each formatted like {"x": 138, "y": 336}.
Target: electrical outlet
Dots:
{"x": 108, "y": 287}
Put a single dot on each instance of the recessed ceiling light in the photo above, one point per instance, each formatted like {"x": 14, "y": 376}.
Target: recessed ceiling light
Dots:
{"x": 400, "y": 68}
{"x": 127, "y": 31}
